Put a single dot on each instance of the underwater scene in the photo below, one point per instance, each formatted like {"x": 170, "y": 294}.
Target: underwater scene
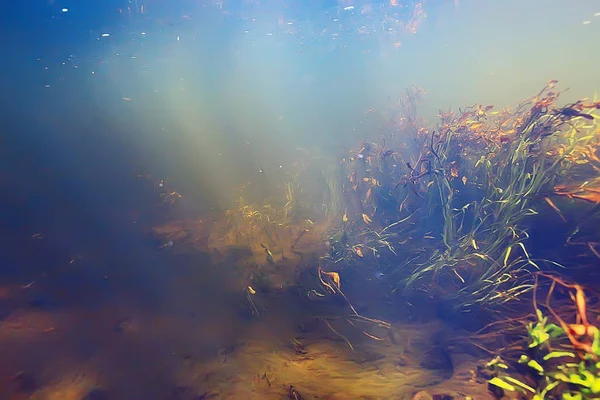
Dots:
{"x": 300, "y": 199}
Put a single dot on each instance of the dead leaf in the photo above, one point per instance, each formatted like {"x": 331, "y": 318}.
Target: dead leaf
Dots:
{"x": 555, "y": 208}
{"x": 358, "y": 251}
{"x": 366, "y": 218}
{"x": 335, "y": 277}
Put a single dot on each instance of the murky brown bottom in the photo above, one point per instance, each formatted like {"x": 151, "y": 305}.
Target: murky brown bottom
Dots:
{"x": 199, "y": 340}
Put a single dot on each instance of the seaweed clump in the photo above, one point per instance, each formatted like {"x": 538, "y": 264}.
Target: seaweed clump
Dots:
{"x": 446, "y": 211}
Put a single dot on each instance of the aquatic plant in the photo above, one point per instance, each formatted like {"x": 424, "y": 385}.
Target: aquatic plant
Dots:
{"x": 254, "y": 223}
{"x": 332, "y": 198}
{"x": 449, "y": 214}
{"x": 545, "y": 150}
{"x": 560, "y": 359}
{"x": 510, "y": 175}
{"x": 291, "y": 205}
{"x": 444, "y": 211}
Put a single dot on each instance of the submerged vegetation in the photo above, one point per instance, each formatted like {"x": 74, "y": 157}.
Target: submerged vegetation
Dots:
{"x": 449, "y": 214}
{"x": 442, "y": 213}
{"x": 557, "y": 359}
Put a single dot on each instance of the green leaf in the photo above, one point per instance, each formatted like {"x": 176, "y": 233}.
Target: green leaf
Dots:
{"x": 557, "y": 354}
{"x": 520, "y": 384}
{"x": 523, "y": 359}
{"x": 596, "y": 342}
{"x": 555, "y": 331}
{"x": 501, "y": 384}
{"x": 584, "y": 379}
{"x": 595, "y": 388}
{"x": 538, "y": 337}
{"x": 494, "y": 362}
{"x": 539, "y": 314}
{"x": 549, "y": 387}
{"x": 535, "y": 365}
{"x": 562, "y": 377}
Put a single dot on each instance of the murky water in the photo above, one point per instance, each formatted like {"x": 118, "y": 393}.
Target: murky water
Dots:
{"x": 182, "y": 187}
{"x": 195, "y": 335}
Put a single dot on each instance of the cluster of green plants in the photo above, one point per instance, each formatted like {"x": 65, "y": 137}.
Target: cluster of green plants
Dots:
{"x": 557, "y": 371}
{"x": 450, "y": 214}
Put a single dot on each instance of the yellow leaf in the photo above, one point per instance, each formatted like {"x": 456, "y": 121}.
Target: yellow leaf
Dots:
{"x": 366, "y": 218}
{"x": 335, "y": 277}
{"x": 508, "y": 251}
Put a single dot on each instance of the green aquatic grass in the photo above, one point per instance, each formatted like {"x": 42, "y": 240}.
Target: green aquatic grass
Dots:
{"x": 464, "y": 235}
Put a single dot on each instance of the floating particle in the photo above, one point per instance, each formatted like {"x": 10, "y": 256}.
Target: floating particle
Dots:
{"x": 65, "y": 10}
{"x": 587, "y": 22}
{"x": 349, "y": 8}
{"x": 105, "y": 35}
